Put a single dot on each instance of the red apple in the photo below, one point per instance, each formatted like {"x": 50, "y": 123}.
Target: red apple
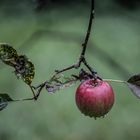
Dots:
{"x": 94, "y": 98}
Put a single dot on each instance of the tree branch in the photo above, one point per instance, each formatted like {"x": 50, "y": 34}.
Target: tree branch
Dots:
{"x": 89, "y": 29}
{"x": 82, "y": 55}
{"x": 80, "y": 60}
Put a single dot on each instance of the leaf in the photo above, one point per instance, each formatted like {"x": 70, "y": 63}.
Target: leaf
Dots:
{"x": 8, "y": 54}
{"x": 134, "y": 84}
{"x": 25, "y": 69}
{"x": 59, "y": 83}
{"x": 4, "y": 99}
{"x": 6, "y": 96}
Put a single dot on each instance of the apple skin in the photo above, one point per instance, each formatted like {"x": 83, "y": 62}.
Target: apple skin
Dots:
{"x": 94, "y": 98}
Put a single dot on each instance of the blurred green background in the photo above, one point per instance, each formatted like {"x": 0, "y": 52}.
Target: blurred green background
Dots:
{"x": 51, "y": 34}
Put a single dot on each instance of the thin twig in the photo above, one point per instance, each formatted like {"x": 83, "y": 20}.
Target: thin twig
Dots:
{"x": 82, "y": 55}
{"x": 81, "y": 59}
{"x": 34, "y": 95}
{"x": 89, "y": 67}
{"x": 89, "y": 29}
{"x": 39, "y": 90}
{"x": 26, "y": 99}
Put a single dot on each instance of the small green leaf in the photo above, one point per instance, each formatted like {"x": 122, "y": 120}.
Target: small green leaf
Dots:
{"x": 8, "y": 54}
{"x": 25, "y": 69}
{"x": 134, "y": 85}
{"x": 4, "y": 99}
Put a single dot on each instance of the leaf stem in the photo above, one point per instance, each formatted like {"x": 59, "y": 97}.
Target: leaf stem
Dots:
{"x": 113, "y": 80}
{"x": 19, "y": 100}
{"x": 34, "y": 95}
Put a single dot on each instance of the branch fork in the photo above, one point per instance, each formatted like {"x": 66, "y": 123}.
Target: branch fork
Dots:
{"x": 53, "y": 83}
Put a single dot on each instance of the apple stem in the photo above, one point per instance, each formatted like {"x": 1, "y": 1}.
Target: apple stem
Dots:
{"x": 117, "y": 81}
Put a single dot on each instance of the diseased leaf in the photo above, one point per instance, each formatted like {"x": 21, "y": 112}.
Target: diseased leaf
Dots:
{"x": 8, "y": 54}
{"x": 25, "y": 69}
{"x": 3, "y": 104}
{"x": 4, "y": 99}
{"x": 59, "y": 83}
{"x": 135, "y": 79}
{"x": 134, "y": 85}
{"x": 6, "y": 96}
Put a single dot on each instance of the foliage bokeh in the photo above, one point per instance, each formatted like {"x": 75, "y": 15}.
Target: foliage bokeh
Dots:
{"x": 52, "y": 39}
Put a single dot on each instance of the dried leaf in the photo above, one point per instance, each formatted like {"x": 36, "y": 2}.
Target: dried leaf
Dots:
{"x": 134, "y": 85}
{"x": 25, "y": 69}
{"x": 4, "y": 99}
{"x": 58, "y": 84}
{"x": 52, "y": 88}
{"x": 8, "y": 54}
{"x": 6, "y": 96}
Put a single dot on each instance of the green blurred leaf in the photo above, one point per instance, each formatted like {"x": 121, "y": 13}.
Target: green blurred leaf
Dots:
{"x": 8, "y": 54}
{"x": 4, "y": 99}
{"x": 134, "y": 84}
